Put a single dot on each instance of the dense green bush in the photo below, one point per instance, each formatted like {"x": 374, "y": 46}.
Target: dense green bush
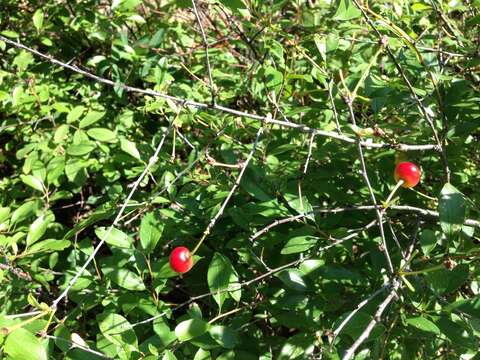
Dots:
{"x": 121, "y": 138}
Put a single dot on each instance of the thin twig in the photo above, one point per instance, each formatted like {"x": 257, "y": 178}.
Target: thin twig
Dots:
{"x": 207, "y": 59}
{"x": 214, "y": 220}
{"x": 237, "y": 286}
{"x": 334, "y": 108}
{"x": 420, "y": 106}
{"x": 376, "y": 318}
{"x": 406, "y": 208}
{"x": 396, "y": 285}
{"x": 192, "y": 103}
{"x": 152, "y": 161}
{"x": 357, "y": 309}
{"x": 309, "y": 155}
{"x": 379, "y": 213}
{"x": 79, "y": 346}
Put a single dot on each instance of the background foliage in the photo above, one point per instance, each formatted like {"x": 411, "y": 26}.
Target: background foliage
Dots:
{"x": 72, "y": 148}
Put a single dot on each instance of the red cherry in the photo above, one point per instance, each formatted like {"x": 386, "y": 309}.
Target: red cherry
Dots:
{"x": 409, "y": 173}
{"x": 181, "y": 260}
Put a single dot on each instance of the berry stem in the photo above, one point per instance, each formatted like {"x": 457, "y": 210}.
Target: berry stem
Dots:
{"x": 394, "y": 190}
{"x": 424, "y": 195}
{"x": 199, "y": 243}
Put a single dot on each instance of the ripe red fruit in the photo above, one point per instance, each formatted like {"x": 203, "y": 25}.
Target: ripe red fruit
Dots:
{"x": 409, "y": 173}
{"x": 181, "y": 260}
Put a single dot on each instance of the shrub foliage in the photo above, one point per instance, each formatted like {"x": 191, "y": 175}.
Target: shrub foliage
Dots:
{"x": 266, "y": 132}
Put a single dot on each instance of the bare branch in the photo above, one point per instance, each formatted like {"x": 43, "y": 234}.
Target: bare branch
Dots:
{"x": 230, "y": 194}
{"x": 196, "y": 104}
{"x": 152, "y": 161}
{"x": 376, "y": 318}
{"x": 420, "y": 106}
{"x": 357, "y": 309}
{"x": 207, "y": 59}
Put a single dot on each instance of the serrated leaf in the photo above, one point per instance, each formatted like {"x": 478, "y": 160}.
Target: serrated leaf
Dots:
{"x": 190, "y": 329}
{"x": 127, "y": 279}
{"x": 115, "y": 237}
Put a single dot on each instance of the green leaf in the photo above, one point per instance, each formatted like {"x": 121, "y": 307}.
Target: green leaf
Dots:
{"x": 293, "y": 279}
{"x": 299, "y": 345}
{"x": 150, "y": 232}
{"x": 33, "y": 182}
{"x": 4, "y": 213}
{"x": 23, "y": 345}
{"x": 91, "y": 118}
{"x": 127, "y": 279}
{"x": 190, "y": 329}
{"x": 357, "y": 324}
{"x": 299, "y": 244}
{"x": 428, "y": 241}
{"x": 117, "y": 330}
{"x": 38, "y": 228}
{"x": 202, "y": 355}
{"x": 101, "y": 213}
{"x": 346, "y": 10}
{"x": 75, "y": 114}
{"x": 61, "y": 133}
{"x": 115, "y": 237}
{"x": 80, "y": 149}
{"x": 169, "y": 355}
{"x": 468, "y": 306}
{"x": 452, "y": 210}
{"x": 423, "y": 324}
{"x": 38, "y": 19}
{"x": 102, "y": 134}
{"x": 446, "y": 281}
{"x": 221, "y": 276}
{"x": 130, "y": 148}
{"x": 24, "y": 211}
{"x": 49, "y": 245}
{"x": 234, "y": 5}
{"x": 224, "y": 335}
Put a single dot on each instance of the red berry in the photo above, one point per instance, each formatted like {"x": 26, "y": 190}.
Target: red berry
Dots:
{"x": 181, "y": 260}
{"x": 409, "y": 173}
